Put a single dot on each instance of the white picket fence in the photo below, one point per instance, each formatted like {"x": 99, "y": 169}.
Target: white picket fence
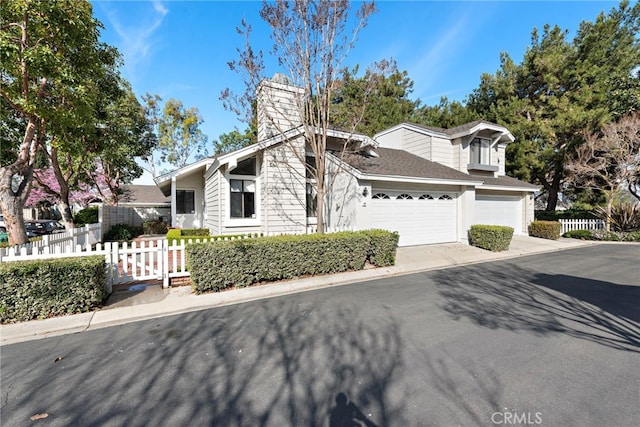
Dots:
{"x": 144, "y": 260}
{"x": 58, "y": 243}
{"x": 581, "y": 224}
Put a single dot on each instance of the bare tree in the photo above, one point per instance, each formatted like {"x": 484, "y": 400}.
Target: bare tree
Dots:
{"x": 311, "y": 40}
{"x": 609, "y": 161}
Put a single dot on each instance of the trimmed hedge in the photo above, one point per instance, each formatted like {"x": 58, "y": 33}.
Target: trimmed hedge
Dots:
{"x": 495, "y": 238}
{"x": 46, "y": 288}
{"x": 545, "y": 229}
{"x": 603, "y": 235}
{"x": 194, "y": 231}
{"x": 566, "y": 214}
{"x": 221, "y": 264}
{"x": 382, "y": 247}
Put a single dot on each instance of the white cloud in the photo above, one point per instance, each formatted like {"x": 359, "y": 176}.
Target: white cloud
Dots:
{"x": 137, "y": 36}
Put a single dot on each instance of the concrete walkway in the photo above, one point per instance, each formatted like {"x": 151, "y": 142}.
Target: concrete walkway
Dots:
{"x": 151, "y": 301}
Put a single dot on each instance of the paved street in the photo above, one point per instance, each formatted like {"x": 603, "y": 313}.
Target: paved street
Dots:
{"x": 549, "y": 340}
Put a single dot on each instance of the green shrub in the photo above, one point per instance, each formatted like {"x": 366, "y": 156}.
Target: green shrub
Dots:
{"x": 155, "y": 227}
{"x": 566, "y": 214}
{"x": 122, "y": 232}
{"x": 579, "y": 234}
{"x": 545, "y": 229}
{"x": 494, "y": 238}
{"x": 173, "y": 233}
{"x": 46, "y": 288}
{"x": 625, "y": 216}
{"x": 605, "y": 236}
{"x": 382, "y": 247}
{"x": 220, "y": 264}
{"x": 4, "y": 237}
{"x": 194, "y": 231}
{"x": 86, "y": 216}
{"x": 174, "y": 237}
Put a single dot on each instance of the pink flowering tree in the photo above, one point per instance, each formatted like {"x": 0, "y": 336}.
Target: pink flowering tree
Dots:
{"x": 46, "y": 188}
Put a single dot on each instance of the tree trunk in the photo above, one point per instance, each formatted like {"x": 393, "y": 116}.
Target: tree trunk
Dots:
{"x": 320, "y": 208}
{"x": 11, "y": 205}
{"x": 553, "y": 190}
{"x": 607, "y": 222}
{"x": 67, "y": 216}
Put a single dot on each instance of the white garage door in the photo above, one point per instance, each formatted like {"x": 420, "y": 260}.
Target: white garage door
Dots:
{"x": 419, "y": 217}
{"x": 499, "y": 210}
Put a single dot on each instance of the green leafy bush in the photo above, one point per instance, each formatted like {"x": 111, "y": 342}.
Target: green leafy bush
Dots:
{"x": 495, "y": 238}
{"x": 566, "y": 214}
{"x": 46, "y": 288}
{"x": 86, "y": 216}
{"x": 122, "y": 232}
{"x": 382, "y": 247}
{"x": 155, "y": 227}
{"x": 545, "y": 229}
{"x": 194, "y": 231}
{"x": 603, "y": 235}
{"x": 220, "y": 264}
{"x": 579, "y": 234}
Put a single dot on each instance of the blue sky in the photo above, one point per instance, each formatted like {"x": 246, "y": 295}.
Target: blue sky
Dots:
{"x": 180, "y": 49}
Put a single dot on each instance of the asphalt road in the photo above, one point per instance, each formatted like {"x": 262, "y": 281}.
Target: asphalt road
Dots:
{"x": 549, "y": 340}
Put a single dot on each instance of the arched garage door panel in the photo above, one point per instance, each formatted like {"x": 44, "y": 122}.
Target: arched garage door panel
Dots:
{"x": 419, "y": 217}
{"x": 499, "y": 210}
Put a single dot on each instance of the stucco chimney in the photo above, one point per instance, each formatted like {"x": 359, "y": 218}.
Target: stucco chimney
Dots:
{"x": 278, "y": 104}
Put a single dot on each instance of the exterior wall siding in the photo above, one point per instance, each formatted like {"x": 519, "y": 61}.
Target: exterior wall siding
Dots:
{"x": 391, "y": 139}
{"x": 417, "y": 143}
{"x": 285, "y": 189}
{"x": 194, "y": 182}
{"x": 343, "y": 199}
{"x": 442, "y": 152}
{"x": 212, "y": 201}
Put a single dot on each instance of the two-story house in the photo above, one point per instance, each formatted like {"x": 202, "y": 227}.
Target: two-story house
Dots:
{"x": 429, "y": 184}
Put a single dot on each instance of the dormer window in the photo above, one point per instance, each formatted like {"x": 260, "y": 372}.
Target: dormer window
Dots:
{"x": 480, "y": 151}
{"x": 480, "y": 155}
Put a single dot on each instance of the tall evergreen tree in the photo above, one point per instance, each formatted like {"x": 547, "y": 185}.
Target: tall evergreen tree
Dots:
{"x": 561, "y": 89}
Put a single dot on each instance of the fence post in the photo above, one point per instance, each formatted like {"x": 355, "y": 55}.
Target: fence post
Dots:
{"x": 165, "y": 263}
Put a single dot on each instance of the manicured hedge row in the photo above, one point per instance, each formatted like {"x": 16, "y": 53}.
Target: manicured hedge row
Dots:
{"x": 566, "y": 214}
{"x": 221, "y": 264}
{"x": 382, "y": 247}
{"x": 495, "y": 238}
{"x": 46, "y": 288}
{"x": 545, "y": 229}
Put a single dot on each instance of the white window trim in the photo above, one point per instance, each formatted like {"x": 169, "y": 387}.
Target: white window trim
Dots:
{"x": 488, "y": 150}
{"x": 243, "y": 222}
{"x": 195, "y": 200}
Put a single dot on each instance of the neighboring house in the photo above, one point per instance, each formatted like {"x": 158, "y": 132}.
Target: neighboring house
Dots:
{"x": 429, "y": 184}
{"x": 136, "y": 205}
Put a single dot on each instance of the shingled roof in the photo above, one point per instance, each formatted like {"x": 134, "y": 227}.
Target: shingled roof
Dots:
{"x": 143, "y": 194}
{"x": 456, "y": 129}
{"x": 402, "y": 163}
{"x": 507, "y": 181}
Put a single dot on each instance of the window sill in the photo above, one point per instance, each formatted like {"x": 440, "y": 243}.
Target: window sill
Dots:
{"x": 242, "y": 222}
{"x": 482, "y": 167}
